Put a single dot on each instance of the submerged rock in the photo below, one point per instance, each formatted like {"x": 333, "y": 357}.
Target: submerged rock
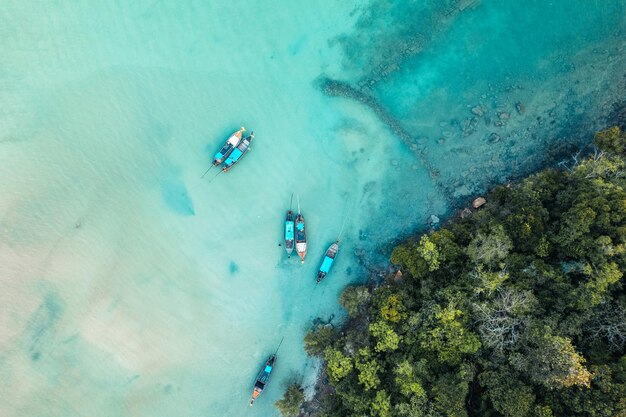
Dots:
{"x": 478, "y": 111}
{"x": 494, "y": 137}
{"x": 479, "y": 202}
{"x": 466, "y": 212}
{"x": 434, "y": 220}
{"x": 447, "y": 133}
{"x": 469, "y": 126}
{"x": 519, "y": 106}
{"x": 461, "y": 191}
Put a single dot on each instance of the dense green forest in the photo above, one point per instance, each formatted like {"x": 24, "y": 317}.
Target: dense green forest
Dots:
{"x": 517, "y": 310}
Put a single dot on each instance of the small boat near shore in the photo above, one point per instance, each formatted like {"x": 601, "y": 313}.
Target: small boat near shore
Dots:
{"x": 263, "y": 378}
{"x": 289, "y": 233}
{"x": 301, "y": 242}
{"x": 242, "y": 148}
{"x": 327, "y": 263}
{"x": 228, "y": 147}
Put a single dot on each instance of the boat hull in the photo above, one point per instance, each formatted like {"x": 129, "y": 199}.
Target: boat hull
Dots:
{"x": 262, "y": 379}
{"x": 238, "y": 153}
{"x": 289, "y": 233}
{"x": 327, "y": 262}
{"x": 301, "y": 239}
{"x": 228, "y": 147}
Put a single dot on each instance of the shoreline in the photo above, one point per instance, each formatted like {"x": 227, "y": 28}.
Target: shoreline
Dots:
{"x": 378, "y": 273}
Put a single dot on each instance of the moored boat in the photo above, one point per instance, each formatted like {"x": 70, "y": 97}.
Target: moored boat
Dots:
{"x": 289, "y": 233}
{"x": 329, "y": 258}
{"x": 228, "y": 147}
{"x": 300, "y": 235}
{"x": 238, "y": 152}
{"x": 262, "y": 378}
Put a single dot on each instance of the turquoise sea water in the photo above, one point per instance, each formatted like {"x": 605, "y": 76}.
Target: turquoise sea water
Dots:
{"x": 130, "y": 287}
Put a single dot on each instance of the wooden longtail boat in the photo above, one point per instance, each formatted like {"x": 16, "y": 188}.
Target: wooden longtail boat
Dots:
{"x": 262, "y": 378}
{"x": 238, "y": 152}
{"x": 329, "y": 258}
{"x": 264, "y": 375}
{"x": 289, "y": 233}
{"x": 228, "y": 147}
{"x": 300, "y": 235}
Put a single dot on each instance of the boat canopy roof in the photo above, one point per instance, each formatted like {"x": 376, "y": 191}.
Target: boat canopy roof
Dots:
{"x": 218, "y": 155}
{"x": 300, "y": 226}
{"x": 233, "y": 157}
{"x": 233, "y": 140}
{"x": 326, "y": 264}
{"x": 268, "y": 369}
{"x": 289, "y": 230}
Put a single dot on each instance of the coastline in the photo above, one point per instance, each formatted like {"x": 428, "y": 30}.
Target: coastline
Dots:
{"x": 391, "y": 274}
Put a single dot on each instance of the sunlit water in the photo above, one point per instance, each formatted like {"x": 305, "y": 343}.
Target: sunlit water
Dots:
{"x": 130, "y": 287}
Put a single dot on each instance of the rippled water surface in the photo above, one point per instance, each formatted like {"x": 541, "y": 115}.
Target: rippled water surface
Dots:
{"x": 131, "y": 287}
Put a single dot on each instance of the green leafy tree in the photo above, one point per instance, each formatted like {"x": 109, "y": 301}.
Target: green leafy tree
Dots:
{"x": 386, "y": 338}
{"x": 392, "y": 309}
{"x": 553, "y": 362}
{"x": 354, "y": 299}
{"x": 289, "y": 405}
{"x": 318, "y": 339}
{"x": 448, "y": 335}
{"x": 368, "y": 368}
{"x": 611, "y": 140}
{"x": 337, "y": 365}
{"x": 573, "y": 235}
{"x": 508, "y": 394}
{"x": 418, "y": 258}
{"x": 593, "y": 292}
{"x": 490, "y": 248}
{"x": 542, "y": 411}
{"x": 428, "y": 251}
{"x": 407, "y": 381}
{"x": 449, "y": 394}
{"x": 381, "y": 406}
{"x": 489, "y": 281}
{"x": 543, "y": 247}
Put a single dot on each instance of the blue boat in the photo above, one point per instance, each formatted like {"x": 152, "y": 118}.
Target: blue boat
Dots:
{"x": 262, "y": 379}
{"x": 238, "y": 152}
{"x": 228, "y": 147}
{"x": 327, "y": 263}
{"x": 289, "y": 233}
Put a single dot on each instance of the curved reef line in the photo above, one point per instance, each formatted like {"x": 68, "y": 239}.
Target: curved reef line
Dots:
{"x": 334, "y": 88}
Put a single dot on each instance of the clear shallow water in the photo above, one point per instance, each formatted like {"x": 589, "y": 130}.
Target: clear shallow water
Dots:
{"x": 130, "y": 287}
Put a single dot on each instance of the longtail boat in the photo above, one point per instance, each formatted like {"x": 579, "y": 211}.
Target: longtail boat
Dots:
{"x": 264, "y": 375}
{"x": 300, "y": 235}
{"x": 238, "y": 152}
{"x": 289, "y": 233}
{"x": 228, "y": 147}
{"x": 262, "y": 378}
{"x": 329, "y": 258}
